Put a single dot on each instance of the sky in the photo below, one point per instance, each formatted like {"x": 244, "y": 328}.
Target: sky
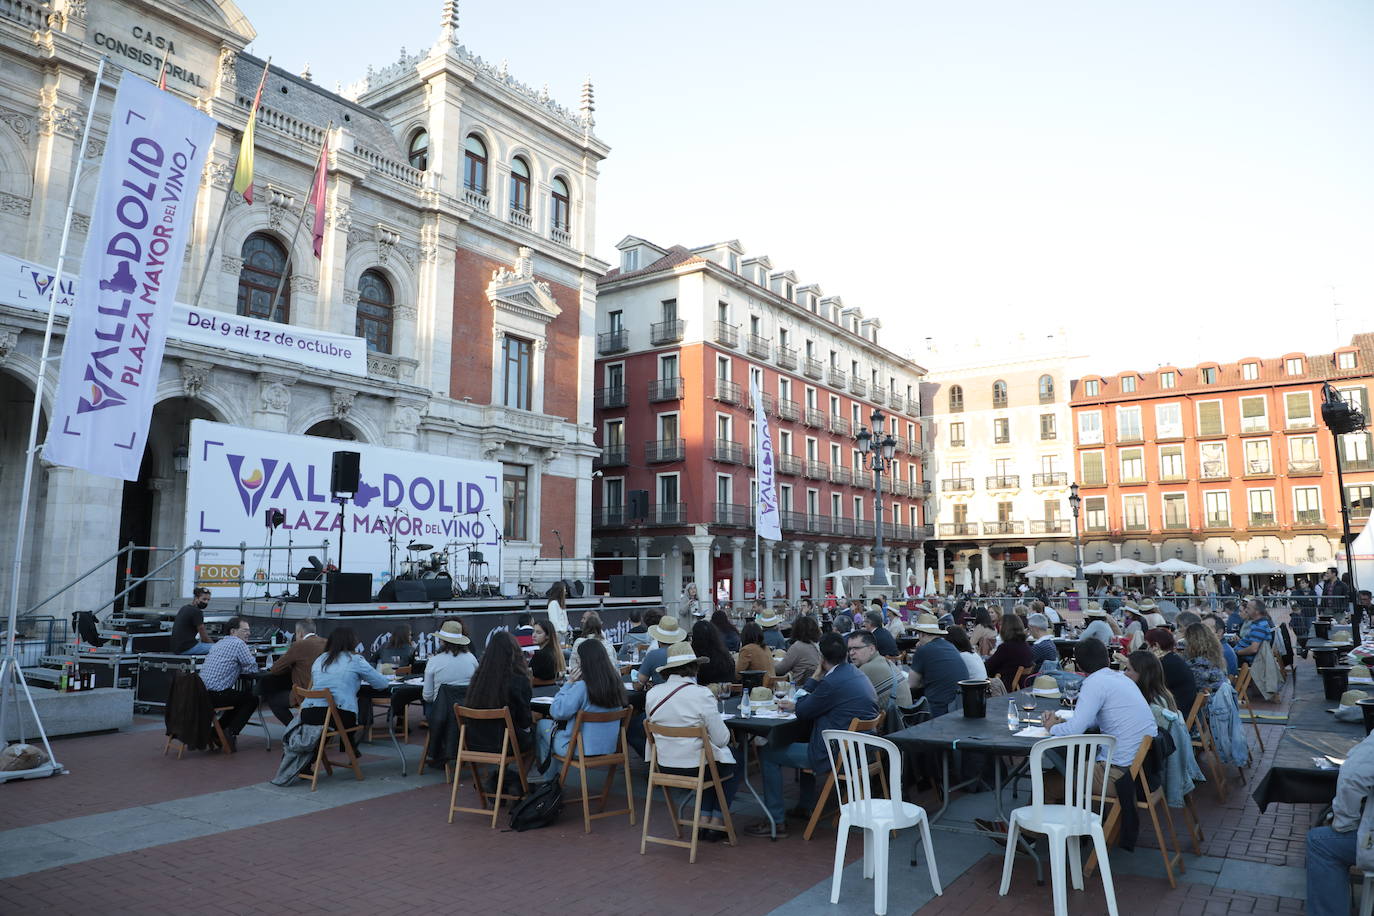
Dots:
{"x": 1167, "y": 182}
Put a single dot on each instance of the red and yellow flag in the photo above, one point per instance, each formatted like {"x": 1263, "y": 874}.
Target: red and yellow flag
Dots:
{"x": 317, "y": 193}
{"x": 243, "y": 172}
{"x": 162, "y": 70}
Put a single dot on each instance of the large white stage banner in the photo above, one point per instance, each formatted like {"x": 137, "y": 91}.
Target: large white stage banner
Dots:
{"x": 237, "y": 476}
{"x": 25, "y": 284}
{"x": 140, "y": 224}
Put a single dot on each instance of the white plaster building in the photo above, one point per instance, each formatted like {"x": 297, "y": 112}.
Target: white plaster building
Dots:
{"x": 461, "y": 216}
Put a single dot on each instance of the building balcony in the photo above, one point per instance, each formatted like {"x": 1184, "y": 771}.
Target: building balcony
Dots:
{"x": 1304, "y": 468}
{"x": 922, "y": 532}
{"x": 1001, "y": 439}
{"x": 727, "y": 335}
{"x": 902, "y": 444}
{"x": 770, "y": 403}
{"x": 920, "y": 488}
{"x": 561, "y": 235}
{"x": 521, "y": 218}
{"x": 1049, "y": 435}
{"x": 1049, "y": 526}
{"x": 1137, "y": 526}
{"x": 1263, "y": 520}
{"x": 792, "y": 521}
{"x": 812, "y": 368}
{"x": 1172, "y": 478}
{"x": 817, "y": 470}
{"x": 1358, "y": 464}
{"x": 1308, "y": 518}
{"x": 836, "y": 377}
{"x": 957, "y": 485}
{"x": 660, "y": 450}
{"x": 863, "y": 478}
{"x": 1008, "y": 482}
{"x": 605, "y": 398}
{"x": 728, "y": 451}
{"x": 879, "y": 395}
{"x": 1052, "y": 479}
{"x": 899, "y": 487}
{"x": 665, "y": 389}
{"x": 814, "y": 418}
{"x": 1259, "y": 469}
{"x": 1004, "y": 527}
{"x": 958, "y": 443}
{"x": 1093, "y": 480}
{"x": 1250, "y": 427}
{"x": 731, "y": 515}
{"x": 839, "y": 425}
{"x": 863, "y": 528}
{"x": 476, "y": 198}
{"x": 668, "y": 514}
{"x": 614, "y": 456}
{"x": 789, "y": 464}
{"x": 858, "y": 386}
{"x": 841, "y": 474}
{"x": 1217, "y": 521}
{"x": 613, "y": 342}
{"x": 958, "y": 529}
{"x": 609, "y": 517}
{"x": 1176, "y": 524}
{"x": 1090, "y": 528}
{"x": 788, "y": 409}
{"x": 1131, "y": 479}
{"x": 787, "y": 357}
{"x": 760, "y": 347}
{"x": 728, "y": 392}
{"x": 667, "y": 332}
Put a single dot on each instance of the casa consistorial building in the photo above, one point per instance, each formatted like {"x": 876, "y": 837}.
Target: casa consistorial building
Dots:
{"x": 461, "y": 212}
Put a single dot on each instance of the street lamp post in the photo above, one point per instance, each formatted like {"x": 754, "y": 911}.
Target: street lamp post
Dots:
{"x": 878, "y": 457}
{"x": 1076, "y": 501}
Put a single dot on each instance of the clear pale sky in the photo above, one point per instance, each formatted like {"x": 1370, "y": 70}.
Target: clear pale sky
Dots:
{"x": 1170, "y": 181}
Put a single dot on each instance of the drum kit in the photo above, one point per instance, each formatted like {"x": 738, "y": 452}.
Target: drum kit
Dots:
{"x": 436, "y": 566}
{"x": 418, "y": 566}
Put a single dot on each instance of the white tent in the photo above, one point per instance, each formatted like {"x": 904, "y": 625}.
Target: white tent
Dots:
{"x": 1260, "y": 567}
{"x": 1310, "y": 567}
{"x": 1050, "y": 569}
{"x": 1174, "y": 567}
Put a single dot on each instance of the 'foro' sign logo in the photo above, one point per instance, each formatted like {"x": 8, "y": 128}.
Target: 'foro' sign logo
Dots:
{"x": 253, "y": 485}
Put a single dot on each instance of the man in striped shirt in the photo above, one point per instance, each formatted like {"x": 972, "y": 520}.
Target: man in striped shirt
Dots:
{"x": 1257, "y": 632}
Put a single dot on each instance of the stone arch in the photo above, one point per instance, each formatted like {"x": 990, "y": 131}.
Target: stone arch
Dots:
{"x": 16, "y": 164}
{"x": 314, "y": 423}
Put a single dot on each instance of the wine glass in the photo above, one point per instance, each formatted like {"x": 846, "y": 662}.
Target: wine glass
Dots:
{"x": 1028, "y": 706}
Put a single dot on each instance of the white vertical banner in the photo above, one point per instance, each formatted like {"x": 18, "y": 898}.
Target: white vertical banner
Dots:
{"x": 140, "y": 225}
{"x": 766, "y": 507}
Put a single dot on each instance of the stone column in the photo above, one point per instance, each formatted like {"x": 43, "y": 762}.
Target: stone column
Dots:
{"x": 940, "y": 571}
{"x": 1197, "y": 553}
{"x": 1030, "y": 555}
{"x": 736, "y": 572}
{"x": 701, "y": 569}
{"x": 1117, "y": 580}
{"x": 1159, "y": 551}
{"x": 674, "y": 585}
{"x": 794, "y": 561}
{"x": 867, "y": 554}
{"x": 79, "y": 528}
{"x": 983, "y": 567}
{"x": 274, "y": 402}
{"x": 765, "y": 579}
{"x": 818, "y": 572}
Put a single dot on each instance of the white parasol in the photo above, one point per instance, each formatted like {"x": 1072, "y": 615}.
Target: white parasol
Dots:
{"x": 930, "y": 581}
{"x": 1050, "y": 569}
{"x": 1174, "y": 567}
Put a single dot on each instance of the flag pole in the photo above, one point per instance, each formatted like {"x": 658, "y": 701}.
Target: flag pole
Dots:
{"x": 9, "y": 666}
{"x": 300, "y": 221}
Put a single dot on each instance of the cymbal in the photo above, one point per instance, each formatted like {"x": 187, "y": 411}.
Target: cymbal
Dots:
{"x": 416, "y": 545}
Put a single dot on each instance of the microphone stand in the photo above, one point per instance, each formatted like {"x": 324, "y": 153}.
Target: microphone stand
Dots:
{"x": 267, "y": 583}
{"x": 561, "y": 555}
{"x": 290, "y": 540}
{"x": 500, "y": 554}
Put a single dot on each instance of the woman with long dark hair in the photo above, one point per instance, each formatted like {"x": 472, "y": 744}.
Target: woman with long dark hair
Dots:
{"x": 984, "y": 636}
{"x": 802, "y": 658}
{"x": 558, "y": 606}
{"x": 592, "y": 632}
{"x": 400, "y": 648}
{"x": 753, "y": 654}
{"x": 341, "y": 671}
{"x": 1013, "y": 653}
{"x": 597, "y": 687}
{"x": 502, "y": 679}
{"x": 1143, "y": 667}
{"x": 721, "y": 621}
{"x": 547, "y": 662}
{"x": 708, "y": 643}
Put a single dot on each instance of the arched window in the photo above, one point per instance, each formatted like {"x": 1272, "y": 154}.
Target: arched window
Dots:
{"x": 419, "y": 150}
{"x": 999, "y": 393}
{"x": 519, "y": 185}
{"x": 375, "y": 313}
{"x": 561, "y": 216}
{"x": 264, "y": 265}
{"x": 1046, "y": 389}
{"x": 956, "y": 398}
{"x": 475, "y": 164}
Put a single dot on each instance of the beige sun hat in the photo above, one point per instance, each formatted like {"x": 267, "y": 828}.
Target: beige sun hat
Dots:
{"x": 768, "y": 619}
{"x": 668, "y": 630}
{"x": 928, "y": 623}
{"x": 1095, "y": 611}
{"x": 1360, "y": 672}
{"x": 1146, "y": 604}
{"x": 680, "y": 654}
{"x": 1045, "y": 686}
{"x": 1351, "y": 697}
{"x": 761, "y": 695}
{"x": 452, "y": 631}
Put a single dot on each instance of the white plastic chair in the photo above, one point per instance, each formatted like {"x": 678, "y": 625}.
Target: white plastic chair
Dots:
{"x": 876, "y": 816}
{"x": 1080, "y": 815}
{"x": 1367, "y": 894}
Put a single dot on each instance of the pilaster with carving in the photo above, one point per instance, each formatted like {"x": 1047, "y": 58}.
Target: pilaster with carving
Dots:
{"x": 341, "y": 402}
{"x": 274, "y": 401}
{"x": 194, "y": 376}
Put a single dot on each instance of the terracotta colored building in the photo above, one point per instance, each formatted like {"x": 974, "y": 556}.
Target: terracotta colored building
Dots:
{"x": 1221, "y": 463}
{"x": 681, "y": 335}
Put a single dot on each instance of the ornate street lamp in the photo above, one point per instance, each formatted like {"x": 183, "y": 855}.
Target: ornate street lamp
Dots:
{"x": 878, "y": 457}
{"x": 1075, "y": 501}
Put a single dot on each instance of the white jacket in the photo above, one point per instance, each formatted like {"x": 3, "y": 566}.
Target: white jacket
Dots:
{"x": 691, "y": 706}
{"x": 1354, "y": 788}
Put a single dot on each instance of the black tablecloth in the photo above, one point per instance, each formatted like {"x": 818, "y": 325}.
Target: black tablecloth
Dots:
{"x": 1294, "y": 779}
{"x": 1309, "y": 713}
{"x": 989, "y": 735}
{"x": 779, "y": 732}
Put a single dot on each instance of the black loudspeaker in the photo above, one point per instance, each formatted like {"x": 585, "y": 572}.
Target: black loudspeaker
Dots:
{"x": 637, "y": 505}
{"x": 401, "y": 590}
{"x": 350, "y": 588}
{"x": 437, "y": 589}
{"x": 310, "y": 594}
{"x": 343, "y": 473}
{"x": 634, "y": 586}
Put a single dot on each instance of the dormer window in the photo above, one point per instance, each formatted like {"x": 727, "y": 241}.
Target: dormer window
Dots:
{"x": 1209, "y": 375}
{"x": 1091, "y": 388}
{"x": 1127, "y": 383}
{"x": 788, "y": 291}
{"x": 733, "y": 260}
{"x": 1168, "y": 379}
{"x": 1249, "y": 371}
{"x": 629, "y": 260}
{"x": 1345, "y": 359}
{"x": 1293, "y": 366}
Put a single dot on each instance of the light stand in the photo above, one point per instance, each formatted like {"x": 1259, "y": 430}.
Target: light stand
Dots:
{"x": 274, "y": 519}
{"x": 878, "y": 456}
{"x": 342, "y": 500}
{"x": 1341, "y": 418}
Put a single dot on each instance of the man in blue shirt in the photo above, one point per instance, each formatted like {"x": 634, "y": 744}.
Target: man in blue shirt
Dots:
{"x": 938, "y": 667}
{"x": 882, "y": 636}
{"x": 772, "y": 636}
{"x": 838, "y": 694}
{"x": 665, "y": 633}
{"x": 1258, "y": 630}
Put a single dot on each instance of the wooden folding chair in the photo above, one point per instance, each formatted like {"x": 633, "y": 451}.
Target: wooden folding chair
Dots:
{"x": 510, "y": 753}
{"x": 219, "y": 734}
{"x": 1018, "y": 677}
{"x": 333, "y": 728}
{"x": 1243, "y": 679}
{"x": 1149, "y": 800}
{"x": 870, "y": 726}
{"x": 383, "y": 702}
{"x": 707, "y": 777}
{"x": 577, "y": 757}
{"x": 1200, "y": 729}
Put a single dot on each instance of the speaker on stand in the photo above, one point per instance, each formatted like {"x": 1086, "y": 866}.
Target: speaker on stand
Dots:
{"x": 344, "y": 475}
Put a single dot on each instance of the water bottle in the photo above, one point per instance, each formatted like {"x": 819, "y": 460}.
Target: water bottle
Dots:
{"x": 1013, "y": 720}
{"x": 744, "y": 710}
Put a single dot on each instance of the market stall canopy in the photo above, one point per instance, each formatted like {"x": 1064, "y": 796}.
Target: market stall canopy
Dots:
{"x": 1260, "y": 567}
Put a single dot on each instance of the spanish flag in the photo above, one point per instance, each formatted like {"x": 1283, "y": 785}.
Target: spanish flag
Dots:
{"x": 243, "y": 171}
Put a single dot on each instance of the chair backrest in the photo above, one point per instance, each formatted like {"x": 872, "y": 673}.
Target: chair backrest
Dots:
{"x": 1018, "y": 677}
{"x": 1242, "y": 682}
{"x": 870, "y": 726}
{"x": 586, "y": 715}
{"x": 323, "y": 693}
{"x": 1199, "y": 703}
{"x": 1081, "y": 753}
{"x": 653, "y": 732}
{"x": 855, "y": 751}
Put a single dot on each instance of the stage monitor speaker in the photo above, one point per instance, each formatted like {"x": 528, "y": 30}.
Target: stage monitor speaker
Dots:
{"x": 351, "y": 588}
{"x": 308, "y": 593}
{"x": 634, "y": 586}
{"x": 437, "y": 589}
{"x": 398, "y": 590}
{"x": 343, "y": 473}
{"x": 637, "y": 505}
{"x": 575, "y": 587}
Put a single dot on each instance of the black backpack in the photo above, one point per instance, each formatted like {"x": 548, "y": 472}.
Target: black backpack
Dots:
{"x": 540, "y": 807}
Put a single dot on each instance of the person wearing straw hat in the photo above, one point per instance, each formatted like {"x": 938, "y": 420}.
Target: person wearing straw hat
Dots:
{"x": 680, "y": 702}
{"x": 1098, "y": 624}
{"x": 454, "y": 664}
{"x": 667, "y": 633}
{"x": 772, "y": 636}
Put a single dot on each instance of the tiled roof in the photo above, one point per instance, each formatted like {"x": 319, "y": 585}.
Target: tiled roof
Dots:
{"x": 676, "y": 256}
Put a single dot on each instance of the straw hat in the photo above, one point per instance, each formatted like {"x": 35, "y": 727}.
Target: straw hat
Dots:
{"x": 768, "y": 619}
{"x": 1094, "y": 611}
{"x": 668, "y": 631}
{"x": 1093, "y": 606}
{"x": 1361, "y": 672}
{"x": 1351, "y": 697}
{"x": 1045, "y": 686}
{"x": 452, "y": 631}
{"x": 927, "y": 623}
{"x": 761, "y": 695}
{"x": 680, "y": 654}
{"x": 1147, "y": 604}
